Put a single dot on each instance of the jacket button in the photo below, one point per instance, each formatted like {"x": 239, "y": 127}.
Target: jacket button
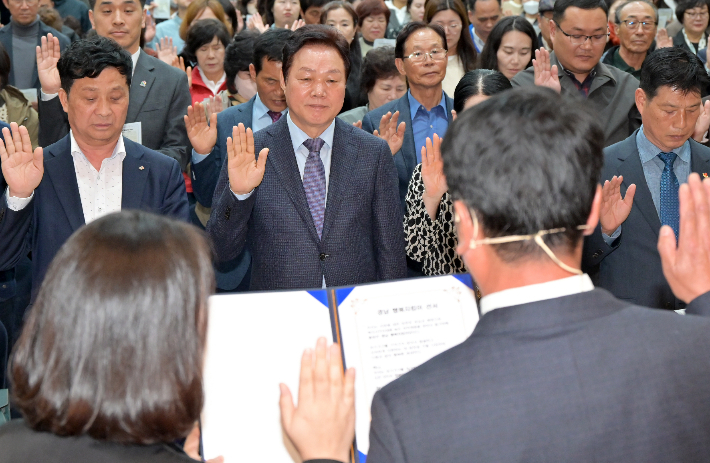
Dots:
{"x": 227, "y": 213}
{"x": 597, "y": 254}
{"x": 323, "y": 256}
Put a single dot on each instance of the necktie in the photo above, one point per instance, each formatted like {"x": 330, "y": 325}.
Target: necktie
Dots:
{"x": 275, "y": 116}
{"x": 669, "y": 193}
{"x": 314, "y": 182}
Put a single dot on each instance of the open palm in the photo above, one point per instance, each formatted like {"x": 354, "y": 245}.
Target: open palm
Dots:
{"x": 245, "y": 171}
{"x": 202, "y": 135}
{"x": 22, "y": 168}
{"x": 615, "y": 209}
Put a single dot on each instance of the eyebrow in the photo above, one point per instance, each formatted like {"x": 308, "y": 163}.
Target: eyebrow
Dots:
{"x": 313, "y": 70}
{"x": 579, "y": 29}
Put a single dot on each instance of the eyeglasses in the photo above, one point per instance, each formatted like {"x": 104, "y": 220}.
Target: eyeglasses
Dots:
{"x": 437, "y": 54}
{"x": 645, "y": 25}
{"x": 575, "y": 39}
{"x": 27, "y": 2}
{"x": 702, "y": 15}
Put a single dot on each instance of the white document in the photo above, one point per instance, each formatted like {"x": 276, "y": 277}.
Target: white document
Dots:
{"x": 664, "y": 17}
{"x": 246, "y": 360}
{"x": 384, "y": 43}
{"x": 162, "y": 9}
{"x": 390, "y": 328}
{"x": 133, "y": 132}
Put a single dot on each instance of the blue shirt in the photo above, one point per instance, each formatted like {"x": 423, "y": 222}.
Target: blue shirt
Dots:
{"x": 427, "y": 123}
{"x": 169, "y": 28}
{"x": 260, "y": 118}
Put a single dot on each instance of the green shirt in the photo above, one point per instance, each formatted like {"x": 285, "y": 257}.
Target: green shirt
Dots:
{"x": 615, "y": 59}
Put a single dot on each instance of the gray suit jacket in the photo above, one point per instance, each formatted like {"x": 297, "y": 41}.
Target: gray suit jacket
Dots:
{"x": 159, "y": 99}
{"x": 611, "y": 97}
{"x": 406, "y": 158}
{"x": 578, "y": 378}
{"x": 206, "y": 172}
{"x": 631, "y": 268}
{"x": 363, "y": 237}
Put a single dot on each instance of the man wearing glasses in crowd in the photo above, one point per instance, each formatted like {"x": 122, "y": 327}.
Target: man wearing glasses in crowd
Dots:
{"x": 635, "y": 24}
{"x": 579, "y": 33}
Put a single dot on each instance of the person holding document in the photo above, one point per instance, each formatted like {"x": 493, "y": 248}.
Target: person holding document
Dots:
{"x": 555, "y": 369}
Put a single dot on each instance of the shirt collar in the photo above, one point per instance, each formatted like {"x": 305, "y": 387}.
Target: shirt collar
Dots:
{"x": 414, "y": 105}
{"x": 477, "y": 40}
{"x": 539, "y": 292}
{"x": 118, "y": 150}
{"x": 259, "y": 107}
{"x": 134, "y": 58}
{"x": 298, "y": 136}
{"x": 648, "y": 151}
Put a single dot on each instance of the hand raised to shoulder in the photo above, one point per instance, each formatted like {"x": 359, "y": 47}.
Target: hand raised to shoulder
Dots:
{"x": 203, "y": 136}
{"x": 22, "y": 168}
{"x": 702, "y": 124}
{"x": 615, "y": 209}
{"x": 662, "y": 39}
{"x": 545, "y": 75}
{"x": 433, "y": 176}
{"x": 47, "y": 55}
{"x": 390, "y": 132}
{"x": 245, "y": 171}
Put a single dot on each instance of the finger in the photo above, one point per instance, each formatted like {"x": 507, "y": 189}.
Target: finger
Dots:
{"x": 231, "y": 152}
{"x": 553, "y": 73}
{"x": 349, "y": 389}
{"x": 286, "y": 405}
{"x": 305, "y": 384}
{"x": 437, "y": 147}
{"x": 702, "y": 211}
{"x": 425, "y": 160}
{"x": 38, "y": 158}
{"x": 335, "y": 372}
{"x": 376, "y": 133}
{"x": 16, "y": 138}
{"x": 667, "y": 250}
{"x": 687, "y": 228}
{"x": 395, "y": 118}
{"x": 429, "y": 150}
{"x": 453, "y": 114}
{"x": 213, "y": 121}
{"x": 250, "y": 142}
{"x": 25, "y": 140}
{"x": 3, "y": 152}
{"x": 261, "y": 162}
{"x": 400, "y": 129}
{"x": 320, "y": 370}
{"x": 630, "y": 192}
{"x": 241, "y": 133}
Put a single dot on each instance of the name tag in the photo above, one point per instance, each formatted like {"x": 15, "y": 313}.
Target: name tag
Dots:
{"x": 133, "y": 132}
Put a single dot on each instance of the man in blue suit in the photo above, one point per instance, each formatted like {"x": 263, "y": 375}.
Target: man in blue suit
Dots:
{"x": 89, "y": 173}
{"x": 322, "y": 209}
{"x": 420, "y": 54}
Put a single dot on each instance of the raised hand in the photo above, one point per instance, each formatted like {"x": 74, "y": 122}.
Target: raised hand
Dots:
{"x": 454, "y": 115}
{"x": 297, "y": 24}
{"x": 702, "y": 124}
{"x": 202, "y": 136}
{"x": 22, "y": 168}
{"x": 357, "y": 124}
{"x": 47, "y": 56}
{"x": 545, "y": 75}
{"x": 240, "y": 22}
{"x": 245, "y": 171}
{"x": 390, "y": 132}
{"x": 257, "y": 23}
{"x": 149, "y": 33}
{"x": 166, "y": 51}
{"x": 433, "y": 176}
{"x": 323, "y": 424}
{"x": 615, "y": 209}
{"x": 662, "y": 39}
{"x": 687, "y": 266}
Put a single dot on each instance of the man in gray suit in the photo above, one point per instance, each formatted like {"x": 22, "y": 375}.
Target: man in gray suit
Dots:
{"x": 159, "y": 94}
{"x": 322, "y": 209}
{"x": 555, "y": 370}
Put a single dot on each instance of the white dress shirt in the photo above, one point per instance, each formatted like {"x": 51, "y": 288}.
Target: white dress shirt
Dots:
{"x": 403, "y": 16}
{"x": 213, "y": 86}
{"x": 533, "y": 293}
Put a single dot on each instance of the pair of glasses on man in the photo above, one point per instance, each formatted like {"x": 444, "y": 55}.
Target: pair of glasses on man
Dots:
{"x": 576, "y": 39}
{"x": 437, "y": 54}
{"x": 645, "y": 25}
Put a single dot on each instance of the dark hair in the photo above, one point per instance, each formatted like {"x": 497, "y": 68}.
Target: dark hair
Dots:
{"x": 371, "y": 8}
{"x": 266, "y": 10}
{"x": 378, "y": 64}
{"x": 231, "y": 13}
{"x": 196, "y": 8}
{"x": 561, "y": 6}
{"x": 72, "y": 23}
{"x": 270, "y": 45}
{"x": 465, "y": 50}
{"x": 238, "y": 55}
{"x": 409, "y": 29}
{"x": 683, "y": 5}
{"x": 674, "y": 67}
{"x": 202, "y": 33}
{"x": 489, "y": 54}
{"x": 525, "y": 160}
{"x": 113, "y": 346}
{"x": 617, "y": 13}
{"x": 471, "y": 4}
{"x": 479, "y": 82}
{"x": 92, "y": 4}
{"x": 5, "y": 67}
{"x": 315, "y": 34}
{"x": 51, "y": 18}
{"x": 355, "y": 51}
{"x": 305, "y": 4}
{"x": 89, "y": 57}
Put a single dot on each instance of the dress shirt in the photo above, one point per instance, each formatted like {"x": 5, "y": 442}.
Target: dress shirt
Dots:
{"x": 653, "y": 168}
{"x": 477, "y": 41}
{"x": 211, "y": 85}
{"x": 100, "y": 191}
{"x": 169, "y": 28}
{"x": 539, "y": 292}
{"x": 427, "y": 123}
{"x": 260, "y": 119}
{"x": 403, "y": 16}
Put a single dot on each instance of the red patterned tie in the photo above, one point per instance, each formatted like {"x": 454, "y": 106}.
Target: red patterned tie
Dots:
{"x": 275, "y": 116}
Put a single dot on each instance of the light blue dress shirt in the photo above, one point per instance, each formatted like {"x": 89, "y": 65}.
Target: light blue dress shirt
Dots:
{"x": 427, "y": 123}
{"x": 169, "y": 28}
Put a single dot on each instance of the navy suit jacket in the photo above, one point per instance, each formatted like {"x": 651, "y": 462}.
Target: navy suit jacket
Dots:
{"x": 151, "y": 181}
{"x": 585, "y": 377}
{"x": 631, "y": 268}
{"x": 406, "y": 158}
{"x": 206, "y": 172}
{"x": 363, "y": 235}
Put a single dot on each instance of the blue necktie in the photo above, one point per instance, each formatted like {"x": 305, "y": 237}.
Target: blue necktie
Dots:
{"x": 669, "y": 193}
{"x": 314, "y": 182}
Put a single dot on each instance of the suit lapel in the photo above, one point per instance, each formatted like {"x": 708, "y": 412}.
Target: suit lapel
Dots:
{"x": 60, "y": 170}
{"x": 408, "y": 143}
{"x": 139, "y": 91}
{"x": 342, "y": 164}
{"x": 134, "y": 176}
{"x": 699, "y": 159}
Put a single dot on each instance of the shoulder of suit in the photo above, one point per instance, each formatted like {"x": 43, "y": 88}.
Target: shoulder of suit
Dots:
{"x": 621, "y": 78}
{"x": 699, "y": 149}
{"x": 524, "y": 78}
{"x": 155, "y": 158}
{"x": 164, "y": 70}
{"x": 234, "y": 111}
{"x": 392, "y": 106}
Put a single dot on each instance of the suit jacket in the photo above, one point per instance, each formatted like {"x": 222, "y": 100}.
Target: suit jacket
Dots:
{"x": 151, "y": 182}
{"x": 362, "y": 239}
{"x": 206, "y": 172}
{"x": 6, "y": 40}
{"x": 631, "y": 268}
{"x": 679, "y": 41}
{"x": 611, "y": 97}
{"x": 158, "y": 99}
{"x": 584, "y": 377}
{"x": 406, "y": 158}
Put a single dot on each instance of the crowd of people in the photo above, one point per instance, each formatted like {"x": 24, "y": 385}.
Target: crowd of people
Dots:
{"x": 547, "y": 148}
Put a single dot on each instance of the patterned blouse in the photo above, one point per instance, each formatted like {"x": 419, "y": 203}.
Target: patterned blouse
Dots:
{"x": 433, "y": 243}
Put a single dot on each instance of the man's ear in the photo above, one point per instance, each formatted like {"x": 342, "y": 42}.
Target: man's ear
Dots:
{"x": 641, "y": 100}
{"x": 464, "y": 227}
{"x": 64, "y": 100}
{"x": 283, "y": 81}
{"x": 593, "y": 218}
{"x": 91, "y": 18}
{"x": 252, "y": 72}
{"x": 553, "y": 29}
{"x": 399, "y": 62}
{"x": 143, "y": 18}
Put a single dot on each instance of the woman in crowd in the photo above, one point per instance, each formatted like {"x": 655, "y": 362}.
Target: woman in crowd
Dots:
{"x": 510, "y": 45}
{"x": 14, "y": 107}
{"x": 451, "y": 16}
{"x": 204, "y": 9}
{"x": 429, "y": 220}
{"x": 342, "y": 16}
{"x": 237, "y": 58}
{"x": 380, "y": 81}
{"x": 693, "y": 15}
{"x": 416, "y": 9}
{"x": 279, "y": 13}
{"x": 373, "y": 17}
{"x": 205, "y": 44}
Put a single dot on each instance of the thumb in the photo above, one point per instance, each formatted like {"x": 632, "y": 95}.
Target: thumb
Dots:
{"x": 630, "y": 192}
{"x": 38, "y": 158}
{"x": 213, "y": 121}
{"x": 286, "y": 405}
{"x": 553, "y": 72}
{"x": 376, "y": 133}
{"x": 667, "y": 248}
{"x": 261, "y": 162}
